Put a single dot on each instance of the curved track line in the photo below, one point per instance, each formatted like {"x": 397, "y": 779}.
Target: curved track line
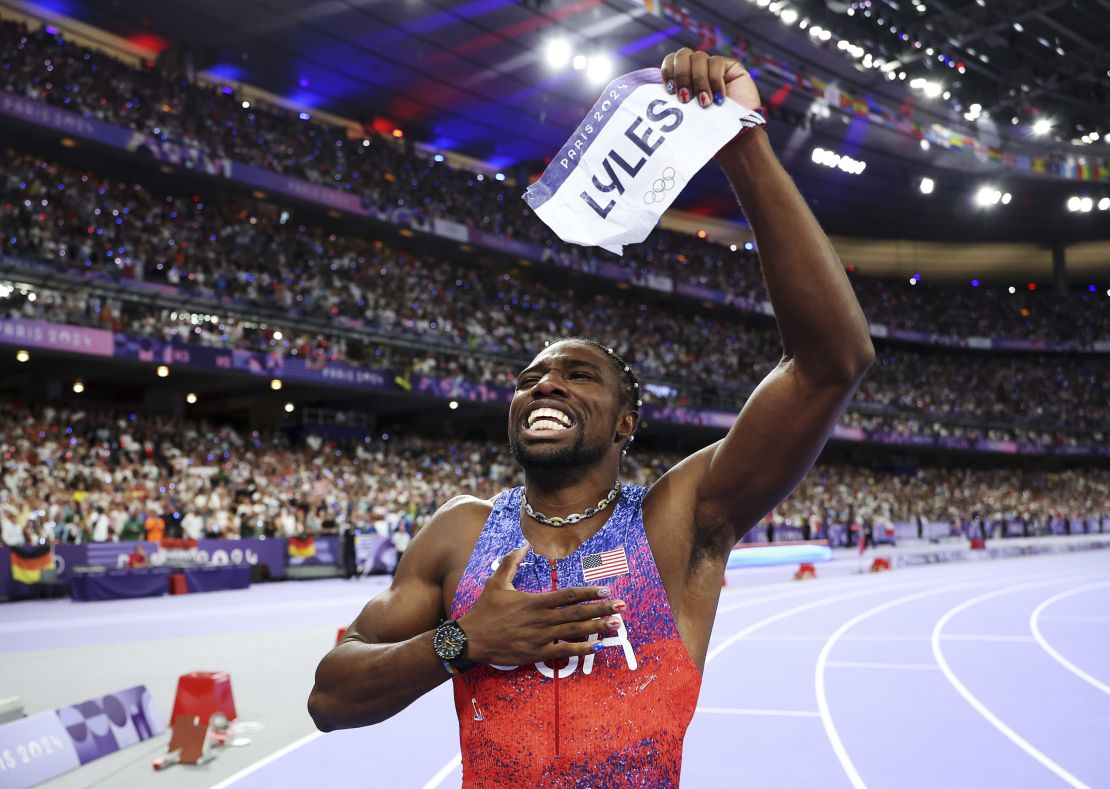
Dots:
{"x": 444, "y": 771}
{"x": 822, "y": 662}
{"x": 250, "y": 768}
{"x": 1034, "y": 625}
{"x": 798, "y": 609}
{"x": 977, "y": 705}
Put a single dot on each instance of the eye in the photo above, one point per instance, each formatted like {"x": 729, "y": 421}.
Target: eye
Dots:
{"x": 528, "y": 380}
{"x": 580, "y": 376}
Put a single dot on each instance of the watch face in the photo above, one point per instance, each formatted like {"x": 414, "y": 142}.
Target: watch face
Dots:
{"x": 449, "y": 641}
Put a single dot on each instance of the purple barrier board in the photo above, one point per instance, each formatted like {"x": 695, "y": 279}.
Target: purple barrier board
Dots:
{"x": 327, "y": 552}
{"x": 43, "y": 746}
{"x": 235, "y": 553}
{"x": 56, "y": 337}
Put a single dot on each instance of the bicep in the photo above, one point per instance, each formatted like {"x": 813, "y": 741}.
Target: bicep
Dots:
{"x": 769, "y": 449}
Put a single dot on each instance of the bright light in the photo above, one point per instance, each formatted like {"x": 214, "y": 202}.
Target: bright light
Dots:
{"x": 1104, "y": 204}
{"x": 599, "y": 69}
{"x": 290, "y": 408}
{"x": 1073, "y": 203}
{"x": 365, "y": 143}
{"x": 162, "y": 371}
{"x": 789, "y": 16}
{"x": 190, "y": 398}
{"x": 925, "y": 144}
{"x": 835, "y": 160}
{"x": 275, "y": 384}
{"x": 22, "y": 356}
{"x": 1042, "y": 126}
{"x": 558, "y": 53}
{"x": 579, "y": 62}
{"x": 927, "y": 185}
{"x": 974, "y": 283}
{"x": 398, "y": 134}
{"x": 278, "y": 335}
{"x": 1086, "y": 204}
{"x": 913, "y": 280}
{"x": 931, "y": 89}
{"x": 78, "y": 387}
{"x": 1006, "y": 198}
{"x": 1012, "y": 289}
{"x": 438, "y": 157}
{"x": 304, "y": 116}
{"x": 499, "y": 177}
{"x": 749, "y": 246}
{"x": 246, "y": 105}
{"x": 732, "y": 247}
{"x": 454, "y": 404}
{"x": 987, "y": 196}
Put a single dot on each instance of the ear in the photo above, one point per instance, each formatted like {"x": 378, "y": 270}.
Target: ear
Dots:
{"x": 627, "y": 425}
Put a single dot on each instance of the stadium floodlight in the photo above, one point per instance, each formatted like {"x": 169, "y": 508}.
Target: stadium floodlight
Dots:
{"x": 927, "y": 185}
{"x": 1104, "y": 204}
{"x": 599, "y": 69}
{"x": 1042, "y": 126}
{"x": 78, "y": 387}
{"x": 1006, "y": 198}
{"x": 578, "y": 62}
{"x": 22, "y": 356}
{"x": 453, "y": 405}
{"x": 290, "y": 408}
{"x": 789, "y": 16}
{"x": 1012, "y": 289}
{"x": 162, "y": 371}
{"x": 1086, "y": 204}
{"x": 190, "y": 398}
{"x": 558, "y": 53}
{"x": 246, "y": 105}
{"x": 276, "y": 384}
{"x": 1073, "y": 203}
{"x": 987, "y": 196}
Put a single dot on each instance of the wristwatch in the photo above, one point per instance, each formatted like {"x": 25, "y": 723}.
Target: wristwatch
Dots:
{"x": 449, "y": 643}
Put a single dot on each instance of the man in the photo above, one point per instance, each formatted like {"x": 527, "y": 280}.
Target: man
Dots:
{"x": 577, "y": 656}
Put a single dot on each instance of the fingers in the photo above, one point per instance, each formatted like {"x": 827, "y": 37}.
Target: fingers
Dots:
{"x": 506, "y": 571}
{"x": 587, "y": 611}
{"x": 696, "y": 76}
{"x": 576, "y": 631}
{"x": 571, "y": 595}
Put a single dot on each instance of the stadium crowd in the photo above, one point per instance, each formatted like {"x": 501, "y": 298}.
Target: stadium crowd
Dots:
{"x": 43, "y": 66}
{"x": 78, "y": 476}
{"x": 482, "y": 322}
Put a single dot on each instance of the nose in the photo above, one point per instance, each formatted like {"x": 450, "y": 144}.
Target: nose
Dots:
{"x": 551, "y": 383}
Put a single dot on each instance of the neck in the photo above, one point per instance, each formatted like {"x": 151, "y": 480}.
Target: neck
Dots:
{"x": 564, "y": 492}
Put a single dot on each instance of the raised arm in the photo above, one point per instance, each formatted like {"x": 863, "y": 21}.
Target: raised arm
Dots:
{"x": 826, "y": 346}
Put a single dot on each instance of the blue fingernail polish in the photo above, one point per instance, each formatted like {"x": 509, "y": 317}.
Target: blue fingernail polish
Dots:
{"x": 718, "y": 98}
{"x": 670, "y": 86}
{"x": 597, "y": 647}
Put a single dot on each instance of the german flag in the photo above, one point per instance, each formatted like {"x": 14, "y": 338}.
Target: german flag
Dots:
{"x": 302, "y": 547}
{"x": 28, "y": 562}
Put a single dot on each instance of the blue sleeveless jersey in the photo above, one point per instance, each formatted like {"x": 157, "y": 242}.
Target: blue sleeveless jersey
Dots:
{"x": 611, "y": 719}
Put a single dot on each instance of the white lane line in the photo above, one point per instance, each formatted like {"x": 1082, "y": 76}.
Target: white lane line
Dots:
{"x": 980, "y": 707}
{"x": 798, "y": 609}
{"x": 250, "y": 768}
{"x": 1035, "y": 627}
{"x": 444, "y": 771}
{"x": 769, "y": 713}
{"x": 891, "y": 666}
{"x": 831, "y": 732}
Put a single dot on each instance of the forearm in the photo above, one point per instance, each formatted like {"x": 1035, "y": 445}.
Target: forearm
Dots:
{"x": 359, "y": 684}
{"x": 823, "y": 328}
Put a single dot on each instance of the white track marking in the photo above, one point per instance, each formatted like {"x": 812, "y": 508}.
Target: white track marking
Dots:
{"x": 977, "y": 705}
{"x": 798, "y": 609}
{"x": 250, "y": 768}
{"x": 841, "y": 752}
{"x": 444, "y": 771}
{"x": 1076, "y": 618}
{"x": 1034, "y": 626}
{"x": 883, "y": 666}
{"x": 988, "y": 637}
{"x": 769, "y": 713}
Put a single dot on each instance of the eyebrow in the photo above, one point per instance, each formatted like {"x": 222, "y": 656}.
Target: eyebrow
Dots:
{"x": 568, "y": 363}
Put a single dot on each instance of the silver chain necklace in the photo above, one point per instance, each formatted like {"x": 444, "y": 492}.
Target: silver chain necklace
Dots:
{"x": 576, "y": 517}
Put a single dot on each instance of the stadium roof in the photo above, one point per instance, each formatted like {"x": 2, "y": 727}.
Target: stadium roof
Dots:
{"x": 474, "y": 78}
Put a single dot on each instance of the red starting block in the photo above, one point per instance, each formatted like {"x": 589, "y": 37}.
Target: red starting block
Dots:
{"x": 178, "y": 584}
{"x": 805, "y": 570}
{"x": 978, "y": 544}
{"x": 880, "y": 564}
{"x": 201, "y": 694}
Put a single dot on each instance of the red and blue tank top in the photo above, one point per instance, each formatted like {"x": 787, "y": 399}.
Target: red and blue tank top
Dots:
{"x": 615, "y": 718}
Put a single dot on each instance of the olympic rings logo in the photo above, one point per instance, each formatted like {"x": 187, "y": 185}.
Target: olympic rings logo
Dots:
{"x": 660, "y": 186}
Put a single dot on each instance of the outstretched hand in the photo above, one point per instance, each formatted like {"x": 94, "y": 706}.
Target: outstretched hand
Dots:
{"x": 505, "y": 627}
{"x": 708, "y": 79}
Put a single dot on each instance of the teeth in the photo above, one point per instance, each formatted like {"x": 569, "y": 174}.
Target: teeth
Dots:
{"x": 551, "y": 419}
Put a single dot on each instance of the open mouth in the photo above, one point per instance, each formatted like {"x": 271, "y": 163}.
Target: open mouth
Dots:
{"x": 548, "y": 420}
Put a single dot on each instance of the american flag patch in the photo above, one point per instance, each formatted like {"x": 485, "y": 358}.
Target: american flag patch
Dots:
{"x": 596, "y": 566}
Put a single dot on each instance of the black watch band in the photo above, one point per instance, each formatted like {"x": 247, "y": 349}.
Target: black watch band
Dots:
{"x": 450, "y": 644}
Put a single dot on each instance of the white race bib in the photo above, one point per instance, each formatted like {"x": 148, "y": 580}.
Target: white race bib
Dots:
{"x": 629, "y": 159}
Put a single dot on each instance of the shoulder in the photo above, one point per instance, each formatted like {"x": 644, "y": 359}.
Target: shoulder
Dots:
{"x": 453, "y": 528}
